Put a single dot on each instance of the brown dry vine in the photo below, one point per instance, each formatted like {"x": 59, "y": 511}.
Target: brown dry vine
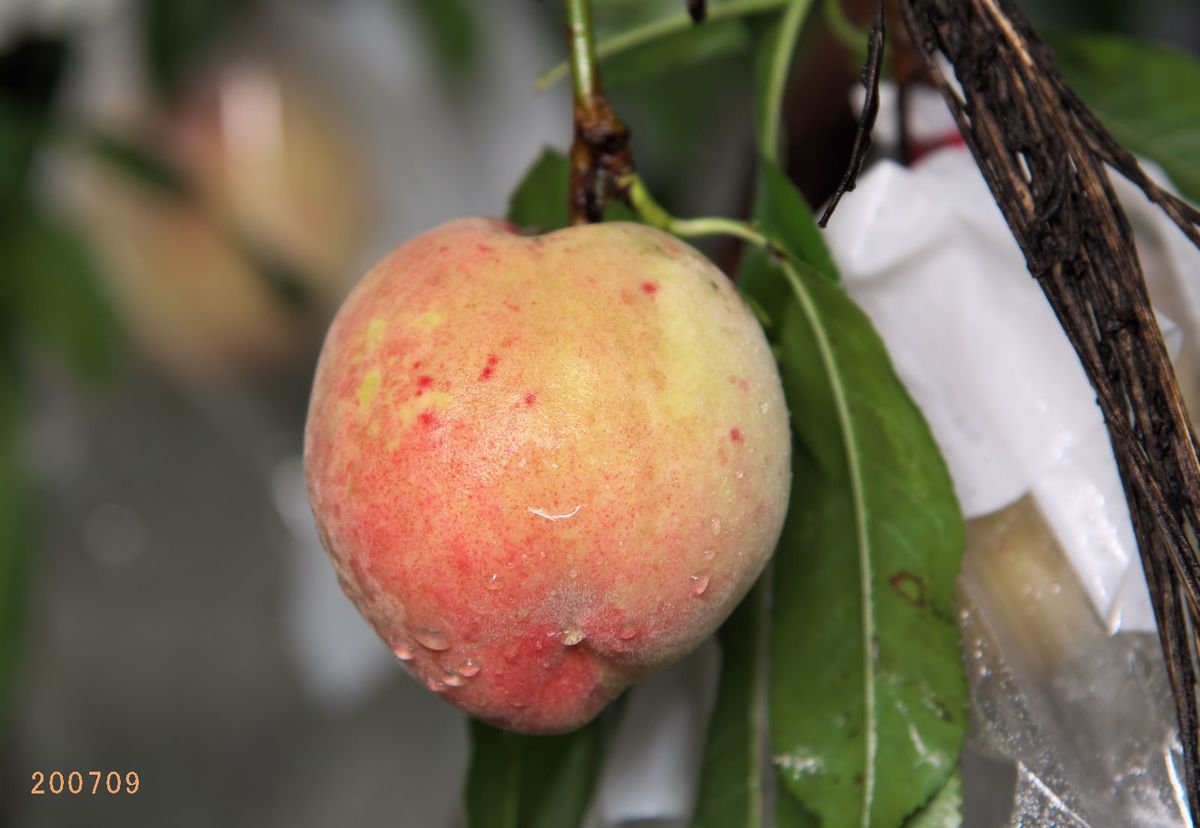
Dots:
{"x": 1043, "y": 154}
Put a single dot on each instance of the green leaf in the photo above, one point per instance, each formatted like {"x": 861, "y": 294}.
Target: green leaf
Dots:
{"x": 19, "y": 138}
{"x": 677, "y": 52}
{"x": 1145, "y": 95}
{"x": 517, "y": 781}
{"x": 733, "y": 776}
{"x": 176, "y": 35}
{"x": 867, "y": 691}
{"x": 15, "y": 541}
{"x": 784, "y": 217}
{"x": 53, "y": 287}
{"x": 789, "y": 813}
{"x": 944, "y": 810}
{"x": 452, "y": 26}
{"x": 540, "y": 200}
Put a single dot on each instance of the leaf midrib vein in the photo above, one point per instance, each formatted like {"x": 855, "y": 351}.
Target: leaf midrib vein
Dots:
{"x": 850, "y": 446}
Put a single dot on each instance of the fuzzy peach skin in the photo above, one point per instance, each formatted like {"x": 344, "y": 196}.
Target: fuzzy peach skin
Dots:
{"x": 545, "y": 466}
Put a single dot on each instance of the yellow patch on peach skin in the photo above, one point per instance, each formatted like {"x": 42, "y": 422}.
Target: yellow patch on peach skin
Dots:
{"x": 407, "y": 412}
{"x": 370, "y": 384}
{"x": 374, "y": 333}
{"x": 429, "y": 320}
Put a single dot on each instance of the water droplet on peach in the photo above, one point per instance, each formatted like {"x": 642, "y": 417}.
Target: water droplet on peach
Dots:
{"x": 452, "y": 679}
{"x": 714, "y": 523}
{"x": 431, "y": 639}
{"x": 700, "y": 583}
{"x": 470, "y": 668}
{"x": 763, "y": 407}
{"x": 493, "y": 582}
{"x": 573, "y": 634}
{"x": 403, "y": 651}
{"x": 627, "y": 632}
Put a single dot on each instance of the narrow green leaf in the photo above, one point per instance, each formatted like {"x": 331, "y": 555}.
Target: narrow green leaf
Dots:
{"x": 944, "y": 810}
{"x": 867, "y": 687}
{"x": 650, "y": 32}
{"x": 785, "y": 217}
{"x": 677, "y": 52}
{"x": 867, "y": 694}
{"x": 733, "y": 776}
{"x": 54, "y": 290}
{"x": 789, "y": 813}
{"x": 517, "y": 781}
{"x": 1145, "y": 95}
{"x": 452, "y": 27}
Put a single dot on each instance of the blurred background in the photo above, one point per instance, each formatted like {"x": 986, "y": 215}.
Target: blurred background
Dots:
{"x": 187, "y": 189}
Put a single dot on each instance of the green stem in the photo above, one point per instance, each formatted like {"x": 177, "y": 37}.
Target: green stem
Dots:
{"x": 583, "y": 54}
{"x": 842, "y": 28}
{"x": 654, "y": 214}
{"x": 664, "y": 27}
{"x": 777, "y": 75}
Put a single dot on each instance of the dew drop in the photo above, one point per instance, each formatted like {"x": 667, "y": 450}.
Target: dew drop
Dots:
{"x": 708, "y": 554}
{"x": 763, "y": 407}
{"x": 573, "y": 634}
{"x": 573, "y": 573}
{"x": 493, "y": 582}
{"x": 627, "y": 632}
{"x": 452, "y": 679}
{"x": 435, "y": 685}
{"x": 738, "y": 475}
{"x": 431, "y": 639}
{"x": 469, "y": 669}
{"x": 403, "y": 651}
{"x": 700, "y": 583}
{"x": 715, "y": 524}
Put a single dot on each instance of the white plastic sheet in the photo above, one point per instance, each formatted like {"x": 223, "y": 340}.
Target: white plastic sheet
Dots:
{"x": 926, "y": 253}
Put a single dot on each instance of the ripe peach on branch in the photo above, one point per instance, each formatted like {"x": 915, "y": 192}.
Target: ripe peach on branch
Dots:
{"x": 545, "y": 466}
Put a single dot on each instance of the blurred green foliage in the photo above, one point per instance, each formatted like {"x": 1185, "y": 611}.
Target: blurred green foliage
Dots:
{"x": 50, "y": 299}
{"x": 453, "y": 29}
{"x": 1146, "y": 96}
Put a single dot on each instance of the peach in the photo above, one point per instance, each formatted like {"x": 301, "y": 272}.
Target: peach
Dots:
{"x": 545, "y": 466}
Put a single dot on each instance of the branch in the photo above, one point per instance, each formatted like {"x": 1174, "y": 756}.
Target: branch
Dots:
{"x": 600, "y": 154}
{"x": 866, "y": 119}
